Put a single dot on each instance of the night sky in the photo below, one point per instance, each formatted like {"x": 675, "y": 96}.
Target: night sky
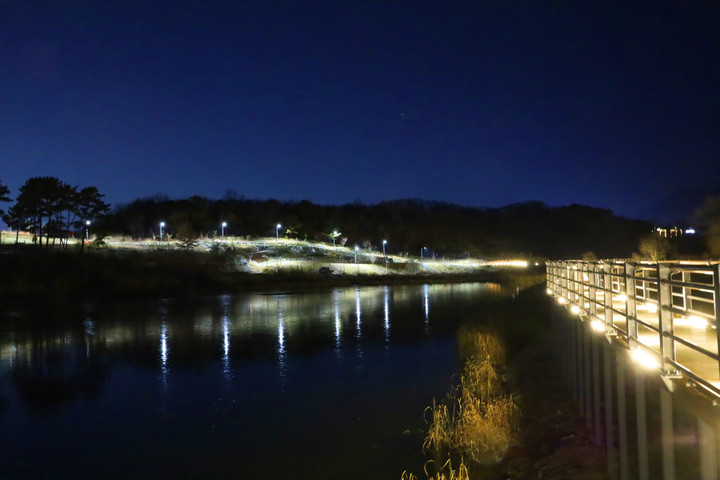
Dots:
{"x": 481, "y": 103}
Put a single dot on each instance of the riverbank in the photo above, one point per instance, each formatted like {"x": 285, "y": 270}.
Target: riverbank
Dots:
{"x": 549, "y": 438}
{"x": 66, "y": 277}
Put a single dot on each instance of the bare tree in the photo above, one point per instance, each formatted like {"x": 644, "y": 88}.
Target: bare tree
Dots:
{"x": 654, "y": 247}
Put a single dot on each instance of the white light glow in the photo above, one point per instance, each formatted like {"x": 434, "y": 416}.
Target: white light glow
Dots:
{"x": 621, "y": 298}
{"x": 358, "y": 313}
{"x": 337, "y": 326}
{"x": 549, "y": 292}
{"x": 651, "y": 307}
{"x": 575, "y": 309}
{"x": 693, "y": 321}
{"x": 163, "y": 346}
{"x": 226, "y": 338}
{"x": 281, "y": 336}
{"x": 508, "y": 263}
{"x": 690, "y": 231}
{"x": 597, "y": 325}
{"x": 561, "y": 300}
{"x": 641, "y": 357}
{"x": 386, "y": 305}
{"x": 426, "y": 302}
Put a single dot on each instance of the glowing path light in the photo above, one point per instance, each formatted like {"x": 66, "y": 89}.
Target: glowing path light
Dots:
{"x": 384, "y": 255}
{"x": 277, "y": 232}
{"x": 162, "y": 225}
{"x": 222, "y": 226}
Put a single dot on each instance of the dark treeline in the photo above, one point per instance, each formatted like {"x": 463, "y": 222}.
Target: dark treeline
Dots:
{"x": 530, "y": 228}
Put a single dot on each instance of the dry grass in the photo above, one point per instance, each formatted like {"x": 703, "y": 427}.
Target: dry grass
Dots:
{"x": 439, "y": 437}
{"x": 480, "y": 379}
{"x": 485, "y": 430}
{"x": 446, "y": 472}
{"x": 476, "y": 343}
{"x": 481, "y": 421}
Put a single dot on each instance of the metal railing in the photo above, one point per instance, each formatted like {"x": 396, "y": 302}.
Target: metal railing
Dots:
{"x": 665, "y": 313}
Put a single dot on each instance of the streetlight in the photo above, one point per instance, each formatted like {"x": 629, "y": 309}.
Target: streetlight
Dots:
{"x": 334, "y": 235}
{"x": 422, "y": 253}
{"x": 385, "y": 256}
{"x": 162, "y": 224}
{"x": 222, "y": 231}
{"x": 87, "y": 229}
{"x": 277, "y": 232}
{"x": 356, "y": 250}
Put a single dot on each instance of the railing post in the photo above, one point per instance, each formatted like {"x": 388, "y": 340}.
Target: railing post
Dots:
{"x": 631, "y": 303}
{"x": 665, "y": 320}
{"x": 574, "y": 274}
{"x": 593, "y": 283}
{"x": 716, "y": 301}
{"x": 608, "y": 294}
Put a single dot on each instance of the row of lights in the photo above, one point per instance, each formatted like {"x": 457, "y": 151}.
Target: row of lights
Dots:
{"x": 277, "y": 235}
{"x": 638, "y": 354}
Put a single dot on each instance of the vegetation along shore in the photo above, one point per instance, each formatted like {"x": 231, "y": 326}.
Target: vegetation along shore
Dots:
{"x": 508, "y": 415}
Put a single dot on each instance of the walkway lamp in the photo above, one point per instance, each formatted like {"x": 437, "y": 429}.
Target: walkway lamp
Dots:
{"x": 335, "y": 234}
{"x": 162, "y": 224}
{"x": 87, "y": 229}
{"x": 422, "y": 254}
{"x": 277, "y": 232}
{"x": 222, "y": 234}
{"x": 384, "y": 255}
{"x": 356, "y": 250}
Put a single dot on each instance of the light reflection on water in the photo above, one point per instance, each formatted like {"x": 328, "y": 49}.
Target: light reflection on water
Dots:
{"x": 228, "y": 369}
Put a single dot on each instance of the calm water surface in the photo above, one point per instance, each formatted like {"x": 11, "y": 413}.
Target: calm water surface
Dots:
{"x": 273, "y": 386}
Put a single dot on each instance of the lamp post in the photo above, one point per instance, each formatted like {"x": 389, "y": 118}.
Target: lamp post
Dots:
{"x": 87, "y": 229}
{"x": 162, "y": 224}
{"x": 333, "y": 236}
{"x": 222, "y": 231}
{"x": 277, "y": 232}
{"x": 356, "y": 250}
{"x": 422, "y": 254}
{"x": 385, "y": 256}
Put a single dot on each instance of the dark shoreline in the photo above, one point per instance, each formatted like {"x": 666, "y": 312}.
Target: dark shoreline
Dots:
{"x": 42, "y": 280}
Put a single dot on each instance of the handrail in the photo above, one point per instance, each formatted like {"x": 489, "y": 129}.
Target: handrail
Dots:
{"x": 669, "y": 309}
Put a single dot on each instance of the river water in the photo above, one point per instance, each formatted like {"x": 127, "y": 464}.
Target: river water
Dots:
{"x": 265, "y": 386}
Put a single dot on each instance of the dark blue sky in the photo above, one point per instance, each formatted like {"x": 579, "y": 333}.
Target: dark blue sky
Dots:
{"x": 483, "y": 103}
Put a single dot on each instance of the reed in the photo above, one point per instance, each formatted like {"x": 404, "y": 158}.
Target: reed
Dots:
{"x": 480, "y": 379}
{"x": 475, "y": 342}
{"x": 482, "y": 420}
{"x": 439, "y": 438}
{"x": 446, "y": 472}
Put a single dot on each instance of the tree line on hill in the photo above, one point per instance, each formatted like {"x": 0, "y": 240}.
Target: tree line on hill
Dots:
{"x": 49, "y": 208}
{"x": 52, "y": 209}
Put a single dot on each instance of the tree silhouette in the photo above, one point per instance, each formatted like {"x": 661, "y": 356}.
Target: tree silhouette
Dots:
{"x": 51, "y": 208}
{"x": 4, "y": 192}
{"x": 40, "y": 199}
